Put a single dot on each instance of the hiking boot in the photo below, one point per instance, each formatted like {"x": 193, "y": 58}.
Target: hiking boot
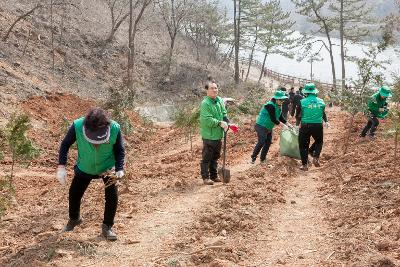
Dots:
{"x": 71, "y": 224}
{"x": 216, "y": 180}
{"x": 208, "y": 182}
{"x": 253, "y": 161}
{"x": 108, "y": 232}
{"x": 304, "y": 168}
{"x": 263, "y": 161}
{"x": 316, "y": 162}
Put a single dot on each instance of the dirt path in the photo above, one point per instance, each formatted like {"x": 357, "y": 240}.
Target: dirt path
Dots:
{"x": 297, "y": 234}
{"x": 144, "y": 239}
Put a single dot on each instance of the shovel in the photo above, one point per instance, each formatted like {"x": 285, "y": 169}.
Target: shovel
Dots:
{"x": 226, "y": 173}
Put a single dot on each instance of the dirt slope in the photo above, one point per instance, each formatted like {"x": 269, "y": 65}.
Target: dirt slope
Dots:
{"x": 269, "y": 215}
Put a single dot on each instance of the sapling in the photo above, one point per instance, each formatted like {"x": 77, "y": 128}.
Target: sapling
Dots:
{"x": 188, "y": 119}
{"x": 21, "y": 150}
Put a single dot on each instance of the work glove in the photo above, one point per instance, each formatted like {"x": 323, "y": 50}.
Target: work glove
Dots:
{"x": 327, "y": 125}
{"x": 61, "y": 174}
{"x": 234, "y": 128}
{"x": 287, "y": 126}
{"x": 224, "y": 125}
{"x": 120, "y": 174}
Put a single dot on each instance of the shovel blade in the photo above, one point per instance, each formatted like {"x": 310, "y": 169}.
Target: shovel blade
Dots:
{"x": 225, "y": 174}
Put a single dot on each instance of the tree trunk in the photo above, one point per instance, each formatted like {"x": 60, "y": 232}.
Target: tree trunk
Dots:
{"x": 171, "y": 53}
{"x": 396, "y": 137}
{"x": 263, "y": 67}
{"x": 130, "y": 52}
{"x": 332, "y": 66}
{"x": 52, "y": 35}
{"x": 114, "y": 29}
{"x": 251, "y": 54}
{"x": 342, "y": 45}
{"x": 227, "y": 55}
{"x": 326, "y": 28}
{"x": 236, "y": 33}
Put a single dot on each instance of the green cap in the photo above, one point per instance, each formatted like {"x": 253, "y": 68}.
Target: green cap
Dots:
{"x": 279, "y": 95}
{"x": 309, "y": 88}
{"x": 385, "y": 91}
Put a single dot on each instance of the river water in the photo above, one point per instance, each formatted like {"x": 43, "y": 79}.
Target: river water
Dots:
{"x": 322, "y": 69}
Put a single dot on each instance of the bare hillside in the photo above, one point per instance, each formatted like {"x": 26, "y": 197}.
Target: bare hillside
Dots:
{"x": 82, "y": 66}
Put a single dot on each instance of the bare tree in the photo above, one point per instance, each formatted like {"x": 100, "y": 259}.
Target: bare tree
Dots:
{"x": 236, "y": 23}
{"x": 119, "y": 12}
{"x": 134, "y": 20}
{"x": 207, "y": 27}
{"x": 52, "y": 36}
{"x": 30, "y": 12}
{"x": 174, "y": 13}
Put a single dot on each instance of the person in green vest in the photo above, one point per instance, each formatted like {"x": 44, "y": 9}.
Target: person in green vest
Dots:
{"x": 378, "y": 109}
{"x": 312, "y": 115}
{"x": 100, "y": 149}
{"x": 269, "y": 116}
{"x": 214, "y": 123}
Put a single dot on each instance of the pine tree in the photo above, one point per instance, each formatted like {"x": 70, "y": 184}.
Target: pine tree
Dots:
{"x": 251, "y": 21}
{"x": 354, "y": 24}
{"x": 316, "y": 12}
{"x": 276, "y": 34}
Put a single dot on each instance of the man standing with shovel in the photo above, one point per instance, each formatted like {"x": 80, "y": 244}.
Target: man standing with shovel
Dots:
{"x": 213, "y": 126}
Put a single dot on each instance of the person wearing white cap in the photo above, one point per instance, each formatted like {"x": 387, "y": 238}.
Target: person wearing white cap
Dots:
{"x": 100, "y": 149}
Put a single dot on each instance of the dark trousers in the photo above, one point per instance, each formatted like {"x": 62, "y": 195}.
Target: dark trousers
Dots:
{"x": 292, "y": 109}
{"x": 308, "y": 130}
{"x": 285, "y": 110}
{"x": 78, "y": 187}
{"x": 371, "y": 126}
{"x": 210, "y": 156}
{"x": 298, "y": 120}
{"x": 264, "y": 142}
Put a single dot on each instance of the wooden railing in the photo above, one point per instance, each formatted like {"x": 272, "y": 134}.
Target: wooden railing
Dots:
{"x": 284, "y": 78}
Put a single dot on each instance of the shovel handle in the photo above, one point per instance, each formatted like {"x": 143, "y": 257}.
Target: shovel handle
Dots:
{"x": 224, "y": 155}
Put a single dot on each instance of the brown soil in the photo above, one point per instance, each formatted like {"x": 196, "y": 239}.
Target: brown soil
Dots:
{"x": 268, "y": 215}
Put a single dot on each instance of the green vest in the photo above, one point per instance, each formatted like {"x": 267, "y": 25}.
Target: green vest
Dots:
{"x": 375, "y": 102}
{"x": 211, "y": 113}
{"x": 264, "y": 119}
{"x": 312, "y": 109}
{"x": 95, "y": 160}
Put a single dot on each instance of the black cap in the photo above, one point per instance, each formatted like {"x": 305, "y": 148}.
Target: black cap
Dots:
{"x": 98, "y": 136}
